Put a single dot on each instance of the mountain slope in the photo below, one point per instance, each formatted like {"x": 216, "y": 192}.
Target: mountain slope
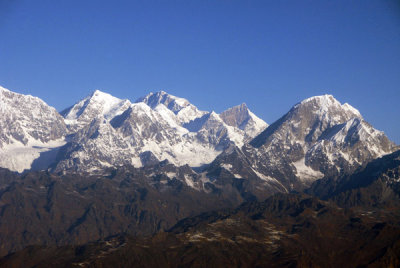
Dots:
{"x": 43, "y": 208}
{"x": 377, "y": 185}
{"x": 283, "y": 231}
{"x": 29, "y": 127}
{"x": 317, "y": 137}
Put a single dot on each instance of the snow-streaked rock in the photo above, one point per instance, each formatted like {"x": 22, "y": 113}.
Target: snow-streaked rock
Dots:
{"x": 97, "y": 105}
{"x": 317, "y": 137}
{"x": 28, "y": 127}
{"x": 182, "y": 108}
{"x": 159, "y": 126}
{"x": 241, "y": 117}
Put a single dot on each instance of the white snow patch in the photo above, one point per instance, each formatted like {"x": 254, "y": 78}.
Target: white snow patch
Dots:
{"x": 189, "y": 181}
{"x": 264, "y": 177}
{"x": 306, "y": 173}
{"x": 227, "y": 166}
{"x": 18, "y": 157}
{"x": 170, "y": 175}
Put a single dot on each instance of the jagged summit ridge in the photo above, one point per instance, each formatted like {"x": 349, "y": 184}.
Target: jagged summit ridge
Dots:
{"x": 182, "y": 108}
{"x": 327, "y": 102}
{"x": 317, "y": 137}
{"x": 173, "y": 103}
{"x": 110, "y": 132}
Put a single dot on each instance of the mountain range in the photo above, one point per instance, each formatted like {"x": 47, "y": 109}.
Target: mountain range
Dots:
{"x": 317, "y": 137}
{"x": 107, "y": 166}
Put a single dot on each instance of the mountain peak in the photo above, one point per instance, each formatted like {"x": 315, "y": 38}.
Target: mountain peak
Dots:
{"x": 307, "y": 120}
{"x": 162, "y": 92}
{"x": 322, "y": 102}
{"x": 241, "y": 117}
{"x": 102, "y": 96}
{"x": 242, "y": 106}
{"x": 327, "y": 104}
{"x": 236, "y": 116}
{"x": 325, "y": 99}
{"x": 172, "y": 102}
{"x": 98, "y": 92}
{"x": 98, "y": 103}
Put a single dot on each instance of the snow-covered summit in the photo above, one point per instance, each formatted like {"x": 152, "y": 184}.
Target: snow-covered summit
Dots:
{"x": 173, "y": 103}
{"x": 97, "y": 105}
{"x": 327, "y": 103}
{"x": 182, "y": 108}
{"x": 307, "y": 120}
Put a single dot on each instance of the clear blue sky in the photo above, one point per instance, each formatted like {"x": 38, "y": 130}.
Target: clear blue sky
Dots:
{"x": 217, "y": 54}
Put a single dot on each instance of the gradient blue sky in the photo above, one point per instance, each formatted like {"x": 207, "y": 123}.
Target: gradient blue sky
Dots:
{"x": 217, "y": 54}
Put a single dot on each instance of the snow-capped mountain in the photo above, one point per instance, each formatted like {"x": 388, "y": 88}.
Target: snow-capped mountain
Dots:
{"x": 97, "y": 105}
{"x": 111, "y": 132}
{"x": 112, "y": 166}
{"x": 317, "y": 137}
{"x": 29, "y": 127}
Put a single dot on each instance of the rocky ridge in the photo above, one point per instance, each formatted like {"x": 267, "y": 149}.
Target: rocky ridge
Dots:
{"x": 318, "y": 137}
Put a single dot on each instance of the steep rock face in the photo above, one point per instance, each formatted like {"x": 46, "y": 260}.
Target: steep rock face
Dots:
{"x": 317, "y": 137}
{"x": 232, "y": 167}
{"x": 348, "y": 146}
{"x": 28, "y": 127}
{"x": 241, "y": 117}
{"x": 377, "y": 185}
